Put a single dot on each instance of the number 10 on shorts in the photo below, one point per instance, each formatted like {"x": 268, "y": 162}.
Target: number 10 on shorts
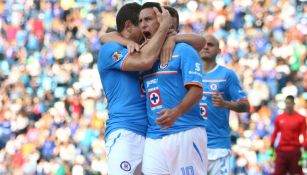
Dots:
{"x": 187, "y": 170}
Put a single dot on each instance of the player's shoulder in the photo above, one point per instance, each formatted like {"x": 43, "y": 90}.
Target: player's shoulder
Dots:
{"x": 300, "y": 115}
{"x": 112, "y": 49}
{"x": 184, "y": 49}
{"x": 225, "y": 70}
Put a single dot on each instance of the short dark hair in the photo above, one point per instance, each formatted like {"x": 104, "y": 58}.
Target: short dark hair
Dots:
{"x": 174, "y": 13}
{"x": 290, "y": 97}
{"x": 151, "y": 5}
{"x": 128, "y": 12}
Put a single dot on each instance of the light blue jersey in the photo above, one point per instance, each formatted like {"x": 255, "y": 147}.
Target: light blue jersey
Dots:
{"x": 224, "y": 81}
{"x": 166, "y": 87}
{"x": 127, "y": 108}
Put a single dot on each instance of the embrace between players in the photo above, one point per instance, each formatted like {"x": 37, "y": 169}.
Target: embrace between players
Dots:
{"x": 168, "y": 99}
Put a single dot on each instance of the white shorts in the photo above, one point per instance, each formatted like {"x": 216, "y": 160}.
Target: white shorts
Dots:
{"x": 124, "y": 152}
{"x": 183, "y": 153}
{"x": 220, "y": 166}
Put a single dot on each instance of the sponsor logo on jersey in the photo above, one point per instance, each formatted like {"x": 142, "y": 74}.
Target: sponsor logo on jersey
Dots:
{"x": 151, "y": 82}
{"x": 125, "y": 166}
{"x": 117, "y": 55}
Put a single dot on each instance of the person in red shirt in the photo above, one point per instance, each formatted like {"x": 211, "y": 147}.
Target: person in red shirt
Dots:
{"x": 290, "y": 125}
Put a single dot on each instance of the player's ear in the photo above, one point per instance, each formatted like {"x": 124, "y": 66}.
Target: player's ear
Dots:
{"x": 128, "y": 25}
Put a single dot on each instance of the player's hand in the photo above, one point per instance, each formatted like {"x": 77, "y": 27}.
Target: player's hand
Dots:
{"x": 167, "y": 50}
{"x": 218, "y": 100}
{"x": 271, "y": 154}
{"x": 164, "y": 18}
{"x": 167, "y": 118}
{"x": 172, "y": 32}
{"x": 144, "y": 43}
{"x": 133, "y": 47}
{"x": 303, "y": 158}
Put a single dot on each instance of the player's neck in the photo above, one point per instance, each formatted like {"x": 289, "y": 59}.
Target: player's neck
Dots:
{"x": 125, "y": 34}
{"x": 289, "y": 111}
{"x": 209, "y": 65}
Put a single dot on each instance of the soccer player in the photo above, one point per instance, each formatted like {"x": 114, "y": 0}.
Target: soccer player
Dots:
{"x": 127, "y": 123}
{"x": 175, "y": 142}
{"x": 195, "y": 40}
{"x": 221, "y": 93}
{"x": 290, "y": 125}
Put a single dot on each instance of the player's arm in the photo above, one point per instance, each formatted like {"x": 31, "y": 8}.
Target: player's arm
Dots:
{"x": 240, "y": 106}
{"x": 143, "y": 60}
{"x": 169, "y": 116}
{"x": 303, "y": 132}
{"x": 196, "y": 41}
{"x": 191, "y": 72}
{"x": 149, "y": 53}
{"x": 238, "y": 102}
{"x": 275, "y": 132}
{"x": 116, "y": 37}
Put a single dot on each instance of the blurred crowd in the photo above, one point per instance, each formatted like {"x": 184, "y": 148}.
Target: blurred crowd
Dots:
{"x": 52, "y": 107}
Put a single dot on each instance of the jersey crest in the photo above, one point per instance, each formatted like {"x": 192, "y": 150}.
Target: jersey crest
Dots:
{"x": 155, "y": 98}
{"x": 213, "y": 87}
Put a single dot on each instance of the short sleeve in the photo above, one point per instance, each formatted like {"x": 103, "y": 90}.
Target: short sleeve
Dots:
{"x": 111, "y": 56}
{"x": 190, "y": 65}
{"x": 235, "y": 90}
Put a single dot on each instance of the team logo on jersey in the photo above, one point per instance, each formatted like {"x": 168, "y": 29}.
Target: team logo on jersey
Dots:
{"x": 125, "y": 166}
{"x": 203, "y": 111}
{"x": 154, "y": 98}
{"x": 117, "y": 55}
{"x": 163, "y": 66}
{"x": 213, "y": 87}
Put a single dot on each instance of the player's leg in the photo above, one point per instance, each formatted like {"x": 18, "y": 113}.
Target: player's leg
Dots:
{"x": 294, "y": 167}
{"x": 280, "y": 163}
{"x": 153, "y": 159}
{"x": 220, "y": 166}
{"x": 124, "y": 152}
{"x": 186, "y": 152}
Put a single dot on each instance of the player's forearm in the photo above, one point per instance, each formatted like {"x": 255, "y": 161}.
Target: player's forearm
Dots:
{"x": 115, "y": 37}
{"x": 148, "y": 54}
{"x": 273, "y": 139}
{"x": 303, "y": 132}
{"x": 196, "y": 41}
{"x": 191, "y": 98}
{"x": 151, "y": 50}
{"x": 240, "y": 106}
